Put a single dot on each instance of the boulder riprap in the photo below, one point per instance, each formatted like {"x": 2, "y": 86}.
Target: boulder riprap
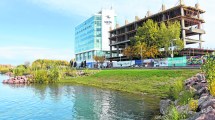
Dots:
{"x": 164, "y": 105}
{"x": 206, "y": 102}
{"x": 17, "y": 80}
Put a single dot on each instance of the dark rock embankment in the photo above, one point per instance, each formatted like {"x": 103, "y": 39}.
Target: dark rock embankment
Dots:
{"x": 206, "y": 102}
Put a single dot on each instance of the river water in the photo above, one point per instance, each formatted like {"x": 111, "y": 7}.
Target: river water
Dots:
{"x": 72, "y": 102}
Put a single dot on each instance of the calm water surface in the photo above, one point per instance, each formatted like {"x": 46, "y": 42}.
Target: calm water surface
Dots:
{"x": 71, "y": 102}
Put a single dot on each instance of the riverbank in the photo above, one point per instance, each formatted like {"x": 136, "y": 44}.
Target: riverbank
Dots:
{"x": 154, "y": 82}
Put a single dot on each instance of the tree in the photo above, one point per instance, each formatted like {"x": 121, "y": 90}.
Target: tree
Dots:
{"x": 169, "y": 35}
{"x": 19, "y": 70}
{"x": 46, "y": 64}
{"x": 129, "y": 52}
{"x": 147, "y": 40}
{"x": 153, "y": 36}
{"x": 99, "y": 59}
{"x": 145, "y": 51}
{"x": 96, "y": 58}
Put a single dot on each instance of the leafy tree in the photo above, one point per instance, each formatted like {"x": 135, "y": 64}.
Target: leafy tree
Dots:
{"x": 169, "y": 35}
{"x": 99, "y": 59}
{"x": 153, "y": 36}
{"x": 209, "y": 69}
{"x": 19, "y": 70}
{"x": 129, "y": 52}
{"x": 41, "y": 76}
{"x": 46, "y": 64}
{"x": 148, "y": 34}
{"x": 96, "y": 58}
{"x": 54, "y": 74}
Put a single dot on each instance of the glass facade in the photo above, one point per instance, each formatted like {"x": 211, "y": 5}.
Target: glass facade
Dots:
{"x": 88, "y": 38}
{"x": 91, "y": 36}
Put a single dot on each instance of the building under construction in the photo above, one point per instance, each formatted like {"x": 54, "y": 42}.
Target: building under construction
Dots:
{"x": 191, "y": 24}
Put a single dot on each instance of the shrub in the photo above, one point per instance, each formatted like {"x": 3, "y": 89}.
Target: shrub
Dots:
{"x": 40, "y": 76}
{"x": 176, "y": 89}
{"x": 4, "y": 70}
{"x": 70, "y": 72}
{"x": 209, "y": 69}
{"x": 185, "y": 97}
{"x": 20, "y": 70}
{"x": 212, "y": 88}
{"x": 47, "y": 76}
{"x": 54, "y": 74}
{"x": 193, "y": 104}
{"x": 174, "y": 114}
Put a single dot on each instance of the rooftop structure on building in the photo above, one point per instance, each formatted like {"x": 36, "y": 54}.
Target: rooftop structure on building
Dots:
{"x": 191, "y": 27}
{"x": 91, "y": 36}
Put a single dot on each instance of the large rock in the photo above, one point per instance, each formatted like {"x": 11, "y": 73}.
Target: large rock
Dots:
{"x": 194, "y": 117}
{"x": 17, "y": 80}
{"x": 202, "y": 90}
{"x": 200, "y": 76}
{"x": 164, "y": 105}
{"x": 203, "y": 99}
{"x": 208, "y": 103}
{"x": 182, "y": 109}
{"x": 207, "y": 114}
{"x": 200, "y": 85}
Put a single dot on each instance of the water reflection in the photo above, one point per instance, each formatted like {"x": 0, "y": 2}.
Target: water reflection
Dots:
{"x": 67, "y": 101}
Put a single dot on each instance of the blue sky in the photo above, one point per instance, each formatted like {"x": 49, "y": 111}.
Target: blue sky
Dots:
{"x": 32, "y": 29}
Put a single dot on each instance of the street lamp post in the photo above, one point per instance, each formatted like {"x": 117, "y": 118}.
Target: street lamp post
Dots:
{"x": 172, "y": 54}
{"x": 141, "y": 53}
{"x": 120, "y": 55}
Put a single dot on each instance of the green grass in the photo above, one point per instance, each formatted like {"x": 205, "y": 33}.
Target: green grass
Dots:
{"x": 155, "y": 82}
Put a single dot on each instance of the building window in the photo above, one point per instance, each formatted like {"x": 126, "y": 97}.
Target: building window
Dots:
{"x": 98, "y": 29}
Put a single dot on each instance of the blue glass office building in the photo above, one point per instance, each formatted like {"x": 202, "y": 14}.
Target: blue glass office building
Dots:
{"x": 91, "y": 36}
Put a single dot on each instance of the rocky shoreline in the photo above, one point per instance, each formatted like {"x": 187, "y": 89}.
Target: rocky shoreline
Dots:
{"x": 205, "y": 106}
{"x": 17, "y": 80}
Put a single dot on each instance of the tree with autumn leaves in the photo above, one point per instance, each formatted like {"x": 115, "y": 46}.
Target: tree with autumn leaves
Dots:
{"x": 151, "y": 37}
{"x": 99, "y": 59}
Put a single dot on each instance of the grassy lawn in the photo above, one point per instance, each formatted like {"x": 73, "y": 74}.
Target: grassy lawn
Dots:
{"x": 155, "y": 82}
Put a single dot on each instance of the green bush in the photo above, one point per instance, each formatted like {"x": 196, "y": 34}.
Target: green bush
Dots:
{"x": 47, "y": 76}
{"x": 193, "y": 104}
{"x": 185, "y": 97}
{"x": 174, "y": 114}
{"x": 40, "y": 76}
{"x": 4, "y": 70}
{"x": 209, "y": 69}
{"x": 19, "y": 70}
{"x": 70, "y": 72}
{"x": 54, "y": 74}
{"x": 175, "y": 89}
